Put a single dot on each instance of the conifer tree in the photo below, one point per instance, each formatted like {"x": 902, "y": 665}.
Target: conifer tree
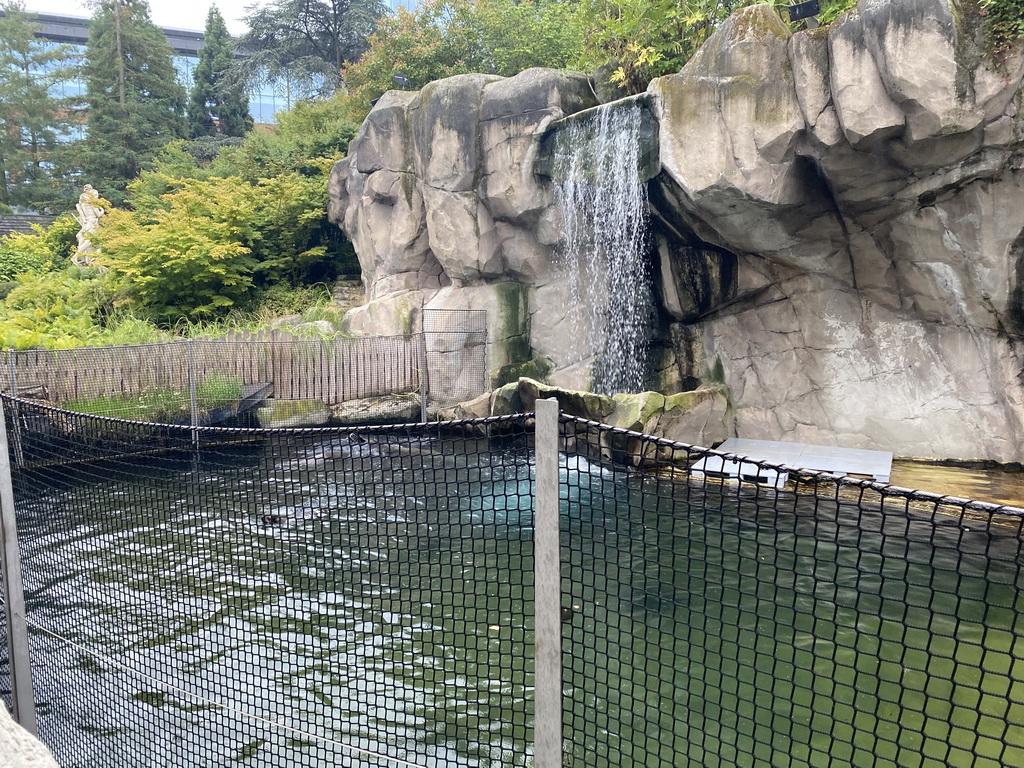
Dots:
{"x": 305, "y": 42}
{"x": 32, "y": 120}
{"x": 215, "y": 104}
{"x": 135, "y": 104}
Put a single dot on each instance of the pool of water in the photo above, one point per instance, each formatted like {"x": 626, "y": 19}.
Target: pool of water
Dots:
{"x": 277, "y": 609}
{"x": 997, "y": 485}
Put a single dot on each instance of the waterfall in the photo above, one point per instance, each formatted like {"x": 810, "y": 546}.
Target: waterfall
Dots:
{"x": 597, "y": 166}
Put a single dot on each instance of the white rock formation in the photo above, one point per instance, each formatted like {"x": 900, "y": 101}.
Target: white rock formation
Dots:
{"x": 19, "y": 748}
{"x": 871, "y": 179}
{"x": 839, "y": 225}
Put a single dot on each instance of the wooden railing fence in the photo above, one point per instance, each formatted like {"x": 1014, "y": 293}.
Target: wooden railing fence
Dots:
{"x": 332, "y": 370}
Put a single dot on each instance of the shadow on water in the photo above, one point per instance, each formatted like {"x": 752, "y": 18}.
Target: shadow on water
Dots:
{"x": 379, "y": 593}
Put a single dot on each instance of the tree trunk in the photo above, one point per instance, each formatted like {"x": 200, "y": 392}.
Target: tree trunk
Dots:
{"x": 121, "y": 98}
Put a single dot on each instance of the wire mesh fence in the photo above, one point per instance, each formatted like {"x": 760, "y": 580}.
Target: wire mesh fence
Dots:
{"x": 456, "y": 354}
{"x": 840, "y": 623}
{"x": 364, "y": 597}
{"x": 208, "y": 382}
{"x": 310, "y": 597}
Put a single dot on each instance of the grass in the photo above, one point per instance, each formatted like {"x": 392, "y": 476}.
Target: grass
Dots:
{"x": 161, "y": 405}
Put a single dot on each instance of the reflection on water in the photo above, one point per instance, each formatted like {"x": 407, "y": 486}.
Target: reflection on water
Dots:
{"x": 389, "y": 608}
{"x": 993, "y": 484}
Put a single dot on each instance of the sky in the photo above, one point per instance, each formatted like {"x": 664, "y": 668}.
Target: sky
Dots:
{"x": 183, "y": 14}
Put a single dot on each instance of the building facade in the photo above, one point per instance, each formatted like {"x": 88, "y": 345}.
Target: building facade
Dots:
{"x": 264, "y": 102}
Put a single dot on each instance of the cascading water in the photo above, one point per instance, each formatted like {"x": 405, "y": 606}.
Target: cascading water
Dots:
{"x": 606, "y": 252}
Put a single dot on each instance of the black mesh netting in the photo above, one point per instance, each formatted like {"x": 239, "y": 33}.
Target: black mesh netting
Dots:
{"x": 363, "y": 597}
{"x": 716, "y": 624}
{"x": 312, "y": 597}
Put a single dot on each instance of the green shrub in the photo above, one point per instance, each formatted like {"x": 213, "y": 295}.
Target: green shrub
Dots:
{"x": 1004, "y": 27}
{"x": 217, "y": 390}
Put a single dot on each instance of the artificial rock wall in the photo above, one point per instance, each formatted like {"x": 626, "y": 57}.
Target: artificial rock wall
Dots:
{"x": 838, "y": 227}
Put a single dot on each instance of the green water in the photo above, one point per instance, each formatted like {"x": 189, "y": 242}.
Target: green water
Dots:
{"x": 754, "y": 629}
{"x": 386, "y": 606}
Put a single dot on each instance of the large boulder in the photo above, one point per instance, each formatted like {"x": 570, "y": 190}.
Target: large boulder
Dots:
{"x": 867, "y": 181}
{"x": 837, "y": 242}
{"x": 438, "y": 186}
{"x": 439, "y": 191}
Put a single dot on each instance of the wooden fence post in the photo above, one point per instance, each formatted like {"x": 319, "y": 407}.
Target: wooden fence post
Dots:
{"x": 547, "y": 715}
{"x": 14, "y": 594}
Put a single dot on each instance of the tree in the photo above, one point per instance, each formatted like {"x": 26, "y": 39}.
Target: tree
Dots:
{"x": 186, "y": 259}
{"x": 217, "y": 105}
{"x": 306, "y": 42}
{"x": 135, "y": 103}
{"x": 32, "y": 121}
{"x": 442, "y": 38}
{"x": 634, "y": 41}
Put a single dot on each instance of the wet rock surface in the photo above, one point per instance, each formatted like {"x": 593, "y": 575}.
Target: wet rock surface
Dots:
{"x": 837, "y": 225}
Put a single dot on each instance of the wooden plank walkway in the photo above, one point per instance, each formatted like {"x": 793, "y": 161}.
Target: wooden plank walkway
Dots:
{"x": 816, "y": 458}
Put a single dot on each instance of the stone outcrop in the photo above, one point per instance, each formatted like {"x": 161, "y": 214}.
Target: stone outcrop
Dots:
{"x": 837, "y": 229}
{"x": 872, "y": 192}
{"x": 438, "y": 192}
{"x": 19, "y": 748}
{"x": 701, "y": 417}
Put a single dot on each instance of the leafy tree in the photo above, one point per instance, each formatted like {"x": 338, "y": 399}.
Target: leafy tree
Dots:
{"x": 634, "y": 42}
{"x": 135, "y": 103}
{"x": 48, "y": 248}
{"x": 442, "y": 38}
{"x": 217, "y": 105}
{"x": 186, "y": 259}
{"x": 306, "y": 136}
{"x": 532, "y": 33}
{"x": 32, "y": 121}
{"x": 60, "y": 310}
{"x": 638, "y": 41}
{"x": 306, "y": 42}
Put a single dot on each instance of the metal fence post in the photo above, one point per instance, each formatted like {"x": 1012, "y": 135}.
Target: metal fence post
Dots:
{"x": 15, "y": 447}
{"x": 192, "y": 399}
{"x": 14, "y": 594}
{"x": 547, "y": 715}
{"x": 424, "y": 374}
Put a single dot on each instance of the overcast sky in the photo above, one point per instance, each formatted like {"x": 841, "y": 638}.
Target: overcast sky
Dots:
{"x": 183, "y": 14}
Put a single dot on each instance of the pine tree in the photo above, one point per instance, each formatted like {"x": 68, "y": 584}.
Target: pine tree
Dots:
{"x": 216, "y": 105}
{"x": 135, "y": 103}
{"x": 305, "y": 42}
{"x": 32, "y": 121}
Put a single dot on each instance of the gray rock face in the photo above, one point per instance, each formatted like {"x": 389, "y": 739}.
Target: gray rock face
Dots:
{"x": 439, "y": 189}
{"x": 872, "y": 191}
{"x": 838, "y": 226}
{"x": 19, "y": 748}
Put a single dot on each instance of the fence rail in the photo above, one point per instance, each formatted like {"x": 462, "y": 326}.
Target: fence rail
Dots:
{"x": 365, "y": 597}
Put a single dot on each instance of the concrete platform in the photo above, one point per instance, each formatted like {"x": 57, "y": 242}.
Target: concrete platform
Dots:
{"x": 816, "y": 458}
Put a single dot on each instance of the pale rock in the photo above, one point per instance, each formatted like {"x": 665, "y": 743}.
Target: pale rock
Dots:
{"x": 731, "y": 124}
{"x": 585, "y": 405}
{"x": 395, "y": 314}
{"x": 477, "y": 408}
{"x": 838, "y": 228}
{"x": 19, "y": 748}
{"x": 505, "y": 400}
{"x": 634, "y": 411}
{"x": 278, "y": 414}
{"x": 385, "y": 409}
{"x": 700, "y": 418}
{"x": 867, "y": 114}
